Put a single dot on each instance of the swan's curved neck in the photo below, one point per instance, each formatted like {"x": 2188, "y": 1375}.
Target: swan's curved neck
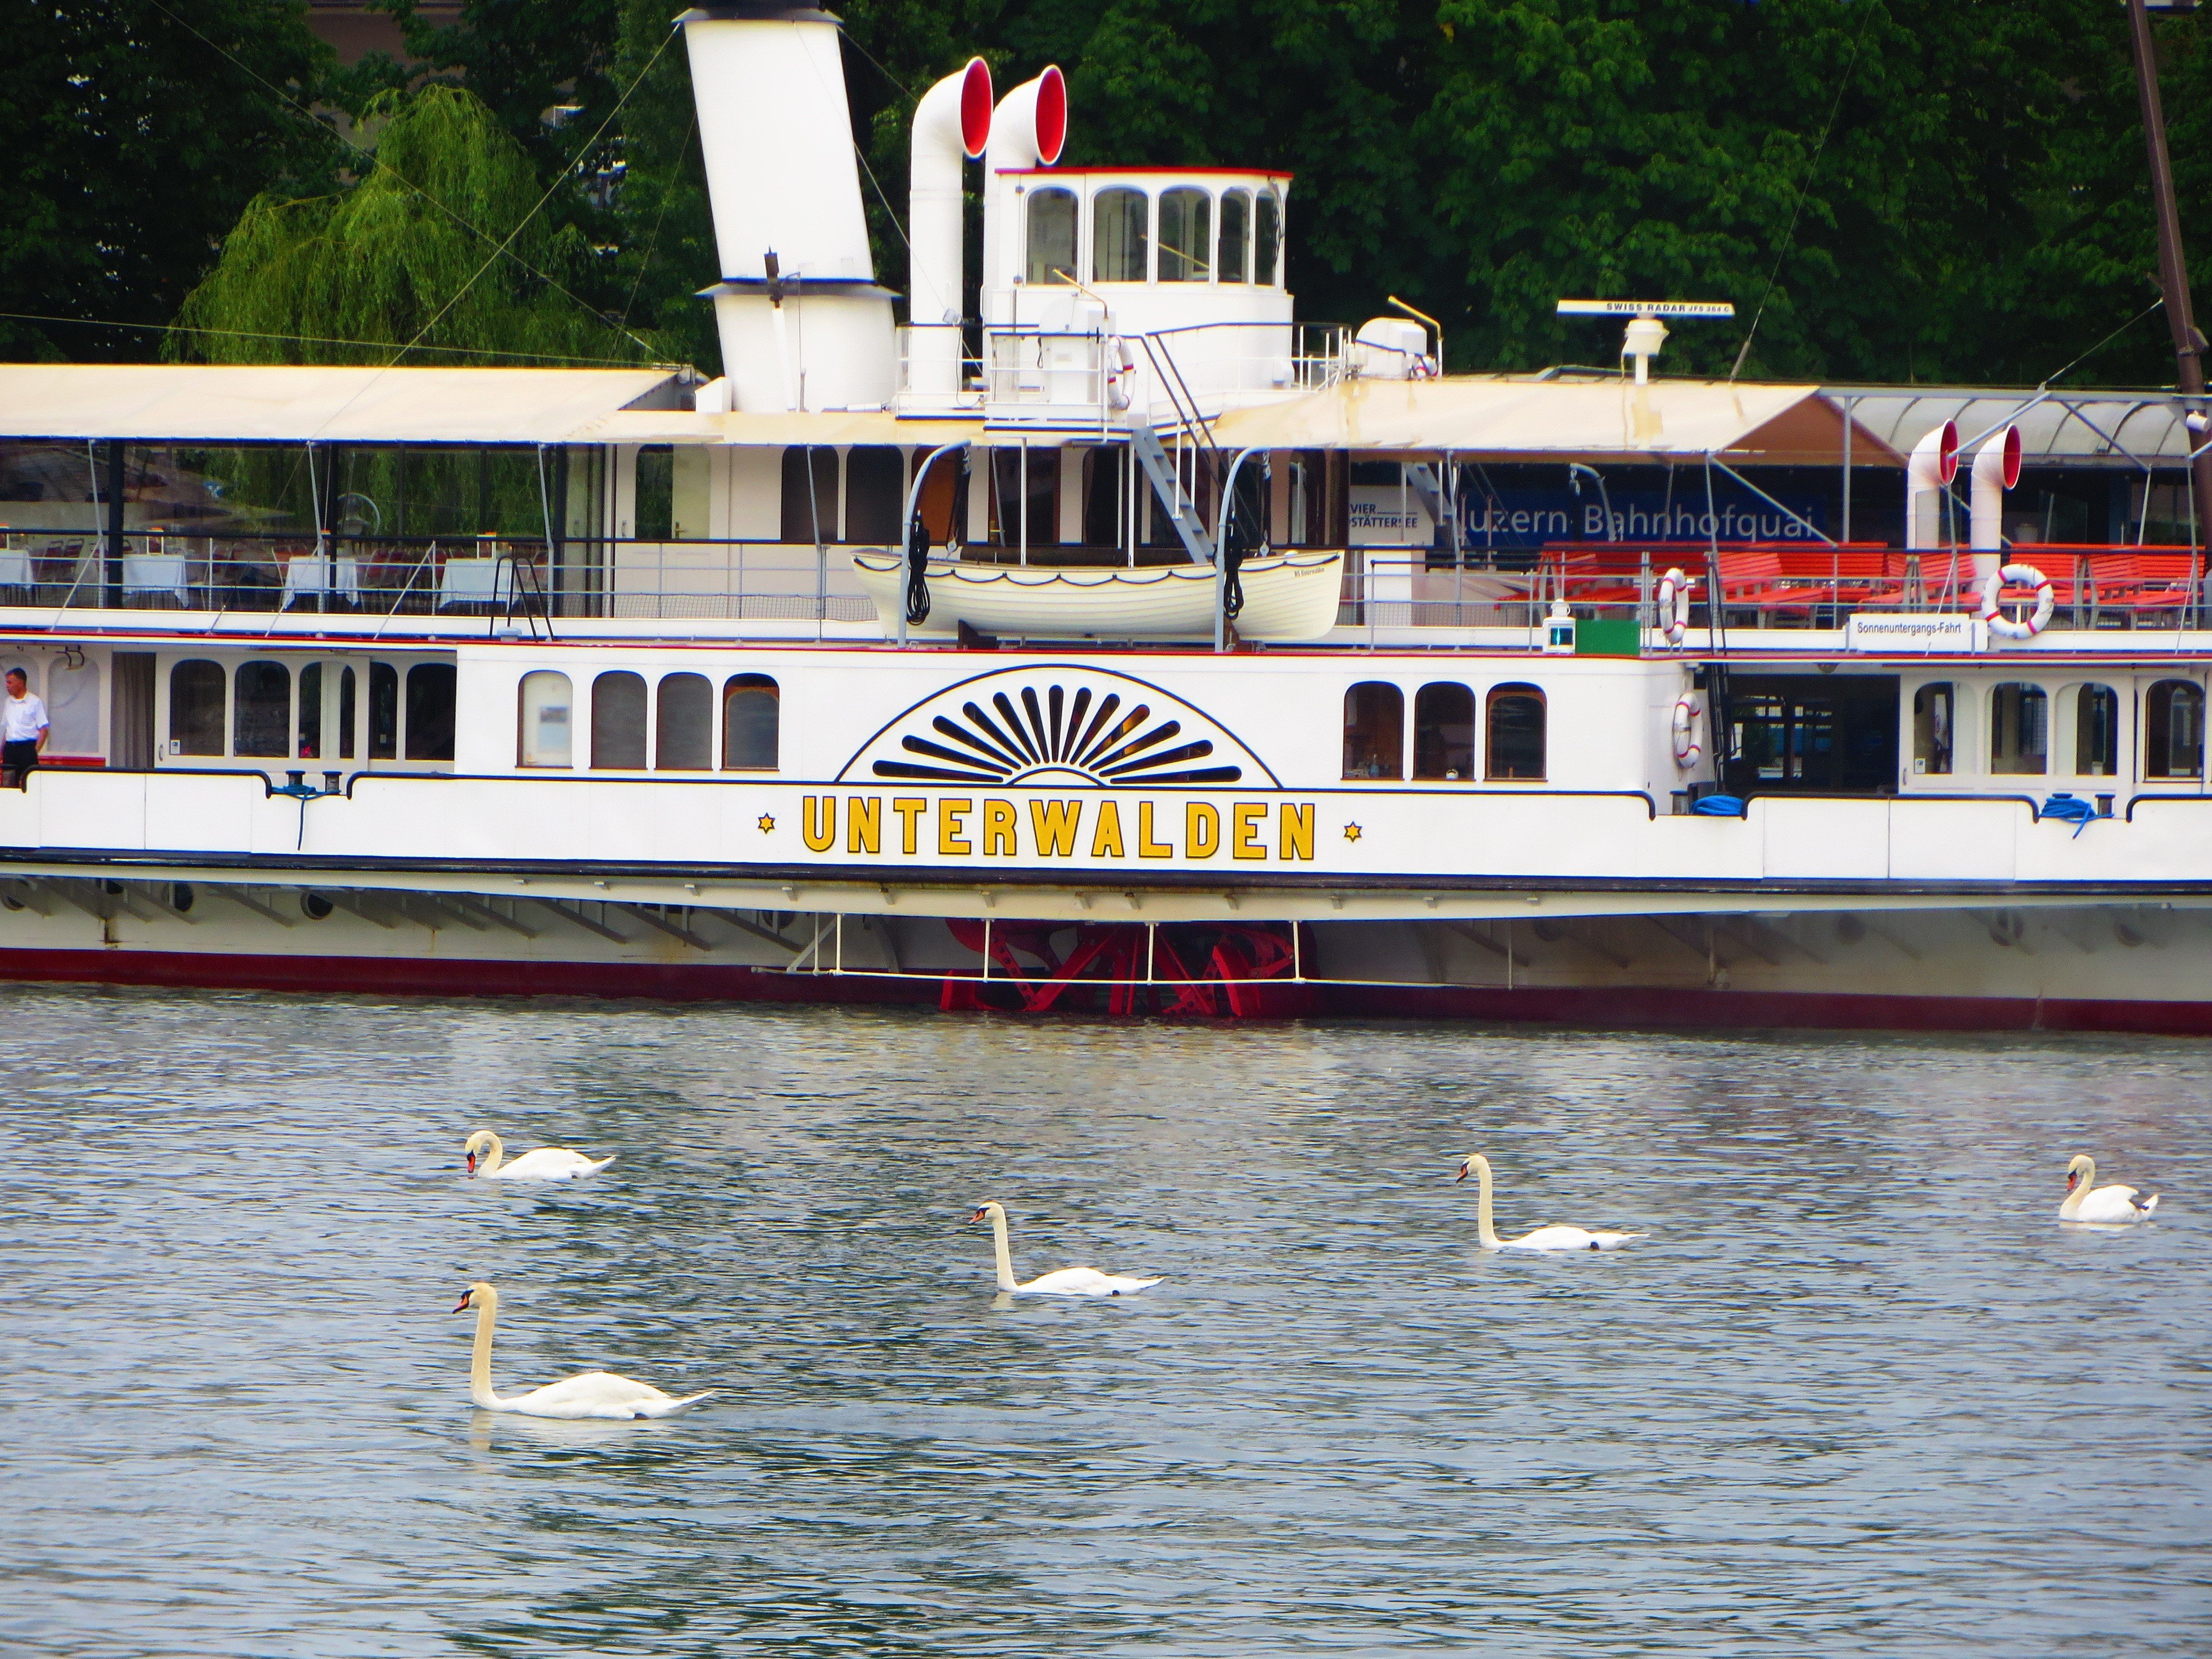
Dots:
{"x": 1006, "y": 1255}
{"x": 495, "y": 1155}
{"x": 2082, "y": 1187}
{"x": 480, "y": 1361}
{"x": 1486, "y": 1228}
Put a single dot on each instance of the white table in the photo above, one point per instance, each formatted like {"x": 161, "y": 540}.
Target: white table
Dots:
{"x": 16, "y": 568}
{"x": 475, "y": 581}
{"x": 158, "y": 573}
{"x": 311, "y": 575}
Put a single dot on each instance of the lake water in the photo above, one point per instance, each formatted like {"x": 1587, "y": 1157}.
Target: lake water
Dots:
{"x": 1859, "y": 1392}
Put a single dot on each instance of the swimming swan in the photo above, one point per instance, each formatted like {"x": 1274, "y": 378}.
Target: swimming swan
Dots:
{"x": 1068, "y": 1281}
{"x": 546, "y": 1163}
{"x": 2087, "y": 1201}
{"x": 592, "y": 1393}
{"x": 1544, "y": 1238}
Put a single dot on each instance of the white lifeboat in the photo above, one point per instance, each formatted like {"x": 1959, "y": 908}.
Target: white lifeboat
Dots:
{"x": 1288, "y": 597}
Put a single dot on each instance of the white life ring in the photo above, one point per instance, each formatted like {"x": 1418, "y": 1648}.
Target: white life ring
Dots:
{"x": 1993, "y": 590}
{"x": 1121, "y": 366}
{"x": 1673, "y": 606}
{"x": 1688, "y": 752}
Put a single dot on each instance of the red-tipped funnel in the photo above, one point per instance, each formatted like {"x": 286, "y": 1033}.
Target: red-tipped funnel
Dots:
{"x": 976, "y": 104}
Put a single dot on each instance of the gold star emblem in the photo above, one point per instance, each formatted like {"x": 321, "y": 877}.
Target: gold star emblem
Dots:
{"x": 1352, "y": 832}
{"x": 766, "y": 823}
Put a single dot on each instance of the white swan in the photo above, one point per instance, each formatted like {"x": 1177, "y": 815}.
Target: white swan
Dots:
{"x": 592, "y": 1393}
{"x": 1068, "y": 1281}
{"x": 546, "y": 1163}
{"x": 1544, "y": 1238}
{"x": 2087, "y": 1201}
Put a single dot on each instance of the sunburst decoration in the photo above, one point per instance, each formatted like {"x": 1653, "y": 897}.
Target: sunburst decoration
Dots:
{"x": 1057, "y": 736}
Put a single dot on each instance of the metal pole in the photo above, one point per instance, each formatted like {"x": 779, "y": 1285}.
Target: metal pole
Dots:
{"x": 112, "y": 575}
{"x": 2172, "y": 267}
{"x": 1850, "y": 403}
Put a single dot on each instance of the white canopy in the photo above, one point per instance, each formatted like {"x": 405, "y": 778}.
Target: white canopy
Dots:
{"x": 1504, "y": 417}
{"x": 2125, "y": 430}
{"x": 198, "y": 403}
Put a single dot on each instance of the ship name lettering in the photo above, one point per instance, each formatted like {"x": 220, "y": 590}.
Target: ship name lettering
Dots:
{"x": 1056, "y": 825}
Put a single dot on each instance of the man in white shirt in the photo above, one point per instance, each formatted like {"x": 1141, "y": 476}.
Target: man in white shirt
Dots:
{"x": 22, "y": 731}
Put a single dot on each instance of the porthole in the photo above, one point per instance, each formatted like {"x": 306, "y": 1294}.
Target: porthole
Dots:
{"x": 180, "y": 898}
{"x": 315, "y": 907}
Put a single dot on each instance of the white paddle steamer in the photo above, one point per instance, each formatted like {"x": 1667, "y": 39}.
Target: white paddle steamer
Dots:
{"x": 1130, "y": 646}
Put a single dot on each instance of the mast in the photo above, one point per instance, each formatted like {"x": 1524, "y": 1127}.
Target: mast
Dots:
{"x": 2189, "y": 345}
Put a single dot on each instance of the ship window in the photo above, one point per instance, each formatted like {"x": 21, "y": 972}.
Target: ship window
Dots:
{"x": 875, "y": 495}
{"x": 430, "y": 711}
{"x": 1443, "y": 731}
{"x": 73, "y": 705}
{"x": 547, "y": 724}
{"x": 2020, "y": 730}
{"x": 1934, "y": 727}
{"x": 1267, "y": 247}
{"x": 1515, "y": 744}
{"x": 806, "y": 525}
{"x": 1117, "y": 236}
{"x": 345, "y": 714}
{"x": 1017, "y": 471}
{"x": 656, "y": 493}
{"x": 618, "y": 721}
{"x": 1186, "y": 236}
{"x": 261, "y": 709}
{"x": 310, "y": 745}
{"x": 749, "y": 719}
{"x": 383, "y": 712}
{"x": 196, "y": 708}
{"x": 1374, "y": 731}
{"x": 2096, "y": 731}
{"x": 1235, "y": 234}
{"x": 1052, "y": 236}
{"x": 2173, "y": 730}
{"x": 684, "y": 724}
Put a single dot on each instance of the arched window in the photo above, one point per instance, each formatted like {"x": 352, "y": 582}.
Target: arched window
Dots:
{"x": 810, "y": 494}
{"x": 1118, "y": 244}
{"x": 1052, "y": 236}
{"x": 547, "y": 724}
{"x": 196, "y": 708}
{"x": 1267, "y": 245}
{"x": 2173, "y": 730}
{"x": 1374, "y": 731}
{"x": 618, "y": 721}
{"x": 1186, "y": 236}
{"x": 684, "y": 724}
{"x": 2096, "y": 731}
{"x": 1443, "y": 731}
{"x": 1934, "y": 724}
{"x": 751, "y": 717}
{"x": 1515, "y": 715}
{"x": 261, "y": 710}
{"x": 1236, "y": 235}
{"x": 2020, "y": 730}
{"x": 875, "y": 495}
{"x": 430, "y": 711}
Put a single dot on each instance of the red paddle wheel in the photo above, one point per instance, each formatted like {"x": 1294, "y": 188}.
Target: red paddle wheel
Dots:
{"x": 1200, "y": 970}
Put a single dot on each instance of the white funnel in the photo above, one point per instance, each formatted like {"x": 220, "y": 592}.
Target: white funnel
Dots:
{"x": 1934, "y": 463}
{"x": 1028, "y": 129}
{"x": 1996, "y": 469}
{"x": 777, "y": 136}
{"x": 951, "y": 123}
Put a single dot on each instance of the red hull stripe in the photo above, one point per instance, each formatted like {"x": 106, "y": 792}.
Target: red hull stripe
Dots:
{"x": 1599, "y": 1007}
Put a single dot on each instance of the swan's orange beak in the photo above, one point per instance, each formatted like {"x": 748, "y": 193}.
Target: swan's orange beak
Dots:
{"x": 2072, "y": 1177}
{"x": 1462, "y": 1175}
{"x": 978, "y": 1216}
{"x": 473, "y": 1162}
{"x": 462, "y": 1306}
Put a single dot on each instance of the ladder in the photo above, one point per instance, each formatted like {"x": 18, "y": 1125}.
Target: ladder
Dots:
{"x": 1192, "y": 432}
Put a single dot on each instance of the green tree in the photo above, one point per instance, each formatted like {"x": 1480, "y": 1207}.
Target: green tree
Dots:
{"x": 133, "y": 139}
{"x": 440, "y": 247}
